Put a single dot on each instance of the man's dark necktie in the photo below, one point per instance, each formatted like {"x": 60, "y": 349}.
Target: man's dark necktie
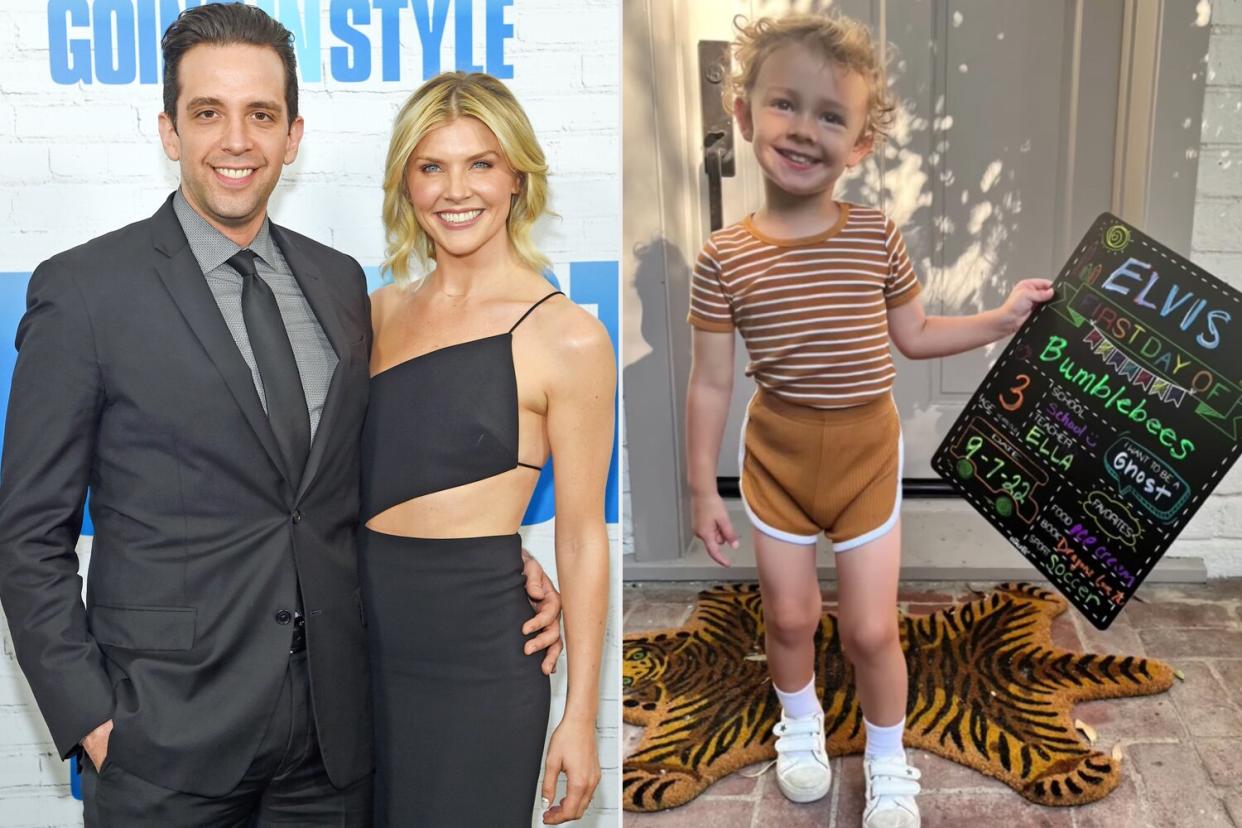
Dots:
{"x": 282, "y": 384}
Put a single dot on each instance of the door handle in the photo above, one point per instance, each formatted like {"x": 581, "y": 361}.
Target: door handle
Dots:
{"x": 717, "y": 125}
{"x": 717, "y": 158}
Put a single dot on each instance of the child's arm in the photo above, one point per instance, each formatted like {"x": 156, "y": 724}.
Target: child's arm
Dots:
{"x": 918, "y": 336}
{"x": 707, "y": 408}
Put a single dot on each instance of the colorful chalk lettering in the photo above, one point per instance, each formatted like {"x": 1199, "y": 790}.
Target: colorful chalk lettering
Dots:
{"x": 1113, "y": 517}
{"x": 1141, "y": 477}
{"x": 1011, "y": 478}
{"x": 1108, "y": 419}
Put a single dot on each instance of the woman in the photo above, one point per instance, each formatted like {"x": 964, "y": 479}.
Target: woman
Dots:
{"x": 480, "y": 370}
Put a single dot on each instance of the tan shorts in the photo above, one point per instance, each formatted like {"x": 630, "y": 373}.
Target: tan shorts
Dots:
{"x": 809, "y": 470}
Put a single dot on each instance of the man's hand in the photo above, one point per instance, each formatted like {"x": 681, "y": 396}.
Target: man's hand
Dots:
{"x": 547, "y": 603}
{"x": 96, "y": 744}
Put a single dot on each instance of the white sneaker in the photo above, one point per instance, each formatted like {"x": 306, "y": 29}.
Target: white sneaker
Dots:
{"x": 802, "y": 770}
{"x": 891, "y": 787}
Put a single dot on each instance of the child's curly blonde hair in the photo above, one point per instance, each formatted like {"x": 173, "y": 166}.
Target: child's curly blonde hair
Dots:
{"x": 840, "y": 39}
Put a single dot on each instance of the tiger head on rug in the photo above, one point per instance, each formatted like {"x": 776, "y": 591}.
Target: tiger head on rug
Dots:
{"x": 988, "y": 689}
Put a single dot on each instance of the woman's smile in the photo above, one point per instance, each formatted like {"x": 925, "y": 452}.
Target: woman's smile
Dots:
{"x": 459, "y": 219}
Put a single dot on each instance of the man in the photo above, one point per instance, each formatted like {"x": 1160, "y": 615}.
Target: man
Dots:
{"x": 205, "y": 373}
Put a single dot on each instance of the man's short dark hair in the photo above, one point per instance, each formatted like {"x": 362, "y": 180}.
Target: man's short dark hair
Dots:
{"x": 223, "y": 24}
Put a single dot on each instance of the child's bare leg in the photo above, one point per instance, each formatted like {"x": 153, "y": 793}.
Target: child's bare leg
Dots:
{"x": 792, "y": 606}
{"x": 791, "y": 613}
{"x": 867, "y": 585}
{"x": 867, "y": 577}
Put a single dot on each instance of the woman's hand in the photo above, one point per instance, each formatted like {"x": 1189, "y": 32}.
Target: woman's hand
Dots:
{"x": 571, "y": 750}
{"x": 712, "y": 526}
{"x": 1022, "y": 301}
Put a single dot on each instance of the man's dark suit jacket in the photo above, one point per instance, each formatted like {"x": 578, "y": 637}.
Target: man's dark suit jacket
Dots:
{"x": 128, "y": 381}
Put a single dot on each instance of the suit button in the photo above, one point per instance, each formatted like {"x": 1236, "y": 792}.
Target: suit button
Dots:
{"x": 284, "y": 617}
{"x": 297, "y": 516}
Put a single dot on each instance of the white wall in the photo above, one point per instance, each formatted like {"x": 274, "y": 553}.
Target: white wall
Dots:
{"x": 1215, "y": 533}
{"x": 79, "y": 160}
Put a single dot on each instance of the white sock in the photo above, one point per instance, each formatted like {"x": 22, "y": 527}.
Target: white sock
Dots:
{"x": 885, "y": 741}
{"x": 800, "y": 703}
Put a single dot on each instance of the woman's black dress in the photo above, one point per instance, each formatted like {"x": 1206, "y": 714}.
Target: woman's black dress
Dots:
{"x": 461, "y": 712}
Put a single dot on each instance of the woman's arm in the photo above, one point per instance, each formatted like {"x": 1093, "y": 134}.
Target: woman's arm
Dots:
{"x": 580, "y": 421}
{"x": 918, "y": 336}
{"x": 707, "y": 408}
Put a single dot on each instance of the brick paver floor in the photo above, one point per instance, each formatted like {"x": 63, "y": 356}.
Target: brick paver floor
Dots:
{"x": 1182, "y": 749}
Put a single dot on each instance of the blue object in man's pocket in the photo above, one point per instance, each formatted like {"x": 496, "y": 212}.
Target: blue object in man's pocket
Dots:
{"x": 75, "y": 778}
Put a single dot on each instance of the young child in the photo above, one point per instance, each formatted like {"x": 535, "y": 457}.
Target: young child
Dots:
{"x": 817, "y": 289}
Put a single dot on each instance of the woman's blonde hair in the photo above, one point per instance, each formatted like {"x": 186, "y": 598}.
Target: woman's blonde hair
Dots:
{"x": 440, "y": 100}
{"x": 837, "y": 38}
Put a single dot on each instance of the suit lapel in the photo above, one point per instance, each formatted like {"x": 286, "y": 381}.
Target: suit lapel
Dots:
{"x": 183, "y": 279}
{"x": 327, "y": 311}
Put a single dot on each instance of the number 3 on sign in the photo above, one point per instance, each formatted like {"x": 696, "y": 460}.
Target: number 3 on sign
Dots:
{"x": 1017, "y": 390}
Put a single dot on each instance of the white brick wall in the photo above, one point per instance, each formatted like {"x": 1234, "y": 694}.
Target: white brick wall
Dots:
{"x": 77, "y": 161}
{"x": 1215, "y": 532}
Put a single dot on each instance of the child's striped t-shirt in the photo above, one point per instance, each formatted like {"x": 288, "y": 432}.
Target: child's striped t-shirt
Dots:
{"x": 812, "y": 311}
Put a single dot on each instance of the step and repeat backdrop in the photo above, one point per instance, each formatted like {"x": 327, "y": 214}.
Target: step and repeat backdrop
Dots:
{"x": 80, "y": 155}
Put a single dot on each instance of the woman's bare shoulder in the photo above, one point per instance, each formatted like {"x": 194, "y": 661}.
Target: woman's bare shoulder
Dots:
{"x": 571, "y": 330}
{"x": 384, "y": 303}
{"x": 384, "y": 297}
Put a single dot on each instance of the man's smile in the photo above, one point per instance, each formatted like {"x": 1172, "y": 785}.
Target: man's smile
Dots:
{"x": 235, "y": 174}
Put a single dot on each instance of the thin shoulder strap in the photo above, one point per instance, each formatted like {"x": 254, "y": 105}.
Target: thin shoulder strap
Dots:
{"x": 532, "y": 307}
{"x": 514, "y": 328}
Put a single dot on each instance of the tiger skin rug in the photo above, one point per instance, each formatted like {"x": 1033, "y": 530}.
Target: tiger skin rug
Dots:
{"x": 988, "y": 689}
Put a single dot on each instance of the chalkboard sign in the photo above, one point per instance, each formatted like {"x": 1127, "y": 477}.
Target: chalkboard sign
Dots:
{"x": 1108, "y": 419}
